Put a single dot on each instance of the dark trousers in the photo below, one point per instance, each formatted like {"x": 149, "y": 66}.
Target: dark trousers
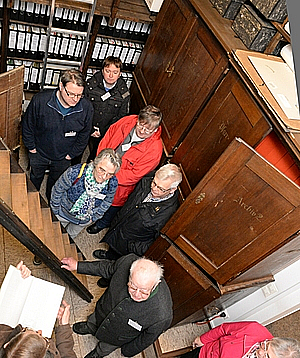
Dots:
{"x": 107, "y": 218}
{"x": 38, "y": 166}
{"x": 192, "y": 354}
{"x": 93, "y": 146}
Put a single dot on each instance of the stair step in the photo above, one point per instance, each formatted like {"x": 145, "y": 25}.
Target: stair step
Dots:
{"x": 19, "y": 196}
{"x": 49, "y": 239}
{"x": 5, "y": 185}
{"x": 81, "y": 278}
{"x": 59, "y": 246}
{"x": 35, "y": 214}
{"x": 71, "y": 251}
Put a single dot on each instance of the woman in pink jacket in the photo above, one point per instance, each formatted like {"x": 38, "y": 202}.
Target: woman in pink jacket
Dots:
{"x": 243, "y": 340}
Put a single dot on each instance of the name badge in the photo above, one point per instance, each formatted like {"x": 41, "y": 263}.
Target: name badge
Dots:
{"x": 105, "y": 96}
{"x": 101, "y": 196}
{"x": 70, "y": 134}
{"x": 125, "y": 147}
{"x": 135, "y": 325}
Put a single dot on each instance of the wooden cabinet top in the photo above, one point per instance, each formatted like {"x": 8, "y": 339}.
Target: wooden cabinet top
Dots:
{"x": 219, "y": 26}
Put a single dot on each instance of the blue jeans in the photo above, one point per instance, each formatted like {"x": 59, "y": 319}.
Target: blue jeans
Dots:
{"x": 38, "y": 166}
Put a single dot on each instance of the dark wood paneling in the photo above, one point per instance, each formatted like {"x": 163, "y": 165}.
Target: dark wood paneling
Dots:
{"x": 230, "y": 113}
{"x": 239, "y": 213}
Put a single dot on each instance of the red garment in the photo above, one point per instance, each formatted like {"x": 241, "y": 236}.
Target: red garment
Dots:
{"x": 138, "y": 161}
{"x": 232, "y": 340}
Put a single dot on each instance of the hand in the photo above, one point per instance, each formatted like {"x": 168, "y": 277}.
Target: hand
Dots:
{"x": 33, "y": 150}
{"x": 68, "y": 157}
{"x": 69, "y": 263}
{"x": 96, "y": 133}
{"x": 197, "y": 343}
{"x": 25, "y": 272}
{"x": 63, "y": 314}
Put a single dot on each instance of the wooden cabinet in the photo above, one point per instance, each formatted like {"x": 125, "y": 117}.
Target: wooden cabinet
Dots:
{"x": 180, "y": 67}
{"x": 230, "y": 112}
{"x": 240, "y": 213}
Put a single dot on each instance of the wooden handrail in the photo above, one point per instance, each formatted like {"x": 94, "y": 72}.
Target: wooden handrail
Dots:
{"x": 11, "y": 222}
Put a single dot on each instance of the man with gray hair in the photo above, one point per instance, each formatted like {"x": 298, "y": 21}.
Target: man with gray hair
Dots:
{"x": 133, "y": 311}
{"x": 84, "y": 192}
{"x": 146, "y": 211}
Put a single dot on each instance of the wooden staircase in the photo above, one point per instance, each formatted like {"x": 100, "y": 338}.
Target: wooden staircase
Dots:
{"x": 25, "y": 214}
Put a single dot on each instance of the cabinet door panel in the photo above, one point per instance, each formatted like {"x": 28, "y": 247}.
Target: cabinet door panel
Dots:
{"x": 227, "y": 224}
{"x": 230, "y": 113}
{"x": 183, "y": 276}
{"x": 167, "y": 36}
{"x": 197, "y": 69}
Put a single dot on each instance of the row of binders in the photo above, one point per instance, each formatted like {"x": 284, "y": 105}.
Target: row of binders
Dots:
{"x": 34, "y": 13}
{"x": 29, "y": 42}
{"x": 129, "y": 52}
{"x": 33, "y": 74}
{"x": 125, "y": 29}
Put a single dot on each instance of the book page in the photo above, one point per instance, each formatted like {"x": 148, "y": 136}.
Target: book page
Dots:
{"x": 31, "y": 302}
{"x": 41, "y": 306}
{"x": 13, "y": 293}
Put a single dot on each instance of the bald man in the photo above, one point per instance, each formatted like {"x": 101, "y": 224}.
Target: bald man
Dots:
{"x": 134, "y": 310}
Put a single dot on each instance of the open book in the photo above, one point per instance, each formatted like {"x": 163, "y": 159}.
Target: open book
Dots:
{"x": 31, "y": 302}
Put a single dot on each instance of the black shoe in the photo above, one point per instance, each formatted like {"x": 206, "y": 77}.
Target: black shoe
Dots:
{"x": 81, "y": 328}
{"x": 93, "y": 229}
{"x": 103, "y": 282}
{"x": 93, "y": 354}
{"x": 100, "y": 254}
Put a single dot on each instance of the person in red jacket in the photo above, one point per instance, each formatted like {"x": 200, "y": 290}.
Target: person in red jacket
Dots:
{"x": 137, "y": 139}
{"x": 243, "y": 340}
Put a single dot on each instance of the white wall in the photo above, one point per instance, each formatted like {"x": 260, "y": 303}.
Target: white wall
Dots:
{"x": 256, "y": 307}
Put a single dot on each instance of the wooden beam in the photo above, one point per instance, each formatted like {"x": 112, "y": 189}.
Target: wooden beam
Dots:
{"x": 246, "y": 284}
{"x": 114, "y": 10}
{"x": 21, "y": 232}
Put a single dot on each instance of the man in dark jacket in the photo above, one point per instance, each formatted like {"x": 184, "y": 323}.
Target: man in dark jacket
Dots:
{"x": 146, "y": 211}
{"x": 110, "y": 97}
{"x": 56, "y": 128}
{"x": 134, "y": 310}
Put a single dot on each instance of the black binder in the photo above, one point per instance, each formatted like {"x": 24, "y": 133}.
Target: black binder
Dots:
{"x": 28, "y": 16}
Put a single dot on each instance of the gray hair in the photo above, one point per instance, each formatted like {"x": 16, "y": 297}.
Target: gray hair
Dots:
{"x": 156, "y": 270}
{"x": 150, "y": 114}
{"x": 285, "y": 347}
{"x": 170, "y": 171}
{"x": 111, "y": 155}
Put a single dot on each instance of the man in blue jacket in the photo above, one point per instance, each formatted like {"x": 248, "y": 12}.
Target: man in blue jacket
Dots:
{"x": 56, "y": 128}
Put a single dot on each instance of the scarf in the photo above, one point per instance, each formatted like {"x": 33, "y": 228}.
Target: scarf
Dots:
{"x": 82, "y": 208}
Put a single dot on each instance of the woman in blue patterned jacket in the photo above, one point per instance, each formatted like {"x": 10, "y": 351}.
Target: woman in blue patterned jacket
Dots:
{"x": 84, "y": 192}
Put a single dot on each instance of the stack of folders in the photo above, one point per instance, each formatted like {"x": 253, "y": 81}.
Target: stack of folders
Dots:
{"x": 30, "y": 12}
{"x": 128, "y": 51}
{"x": 125, "y": 29}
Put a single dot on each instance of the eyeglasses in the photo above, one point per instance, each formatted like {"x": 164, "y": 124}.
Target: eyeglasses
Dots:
{"x": 144, "y": 129}
{"x": 47, "y": 340}
{"x": 104, "y": 173}
{"x": 73, "y": 95}
{"x": 144, "y": 293}
{"x": 163, "y": 190}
